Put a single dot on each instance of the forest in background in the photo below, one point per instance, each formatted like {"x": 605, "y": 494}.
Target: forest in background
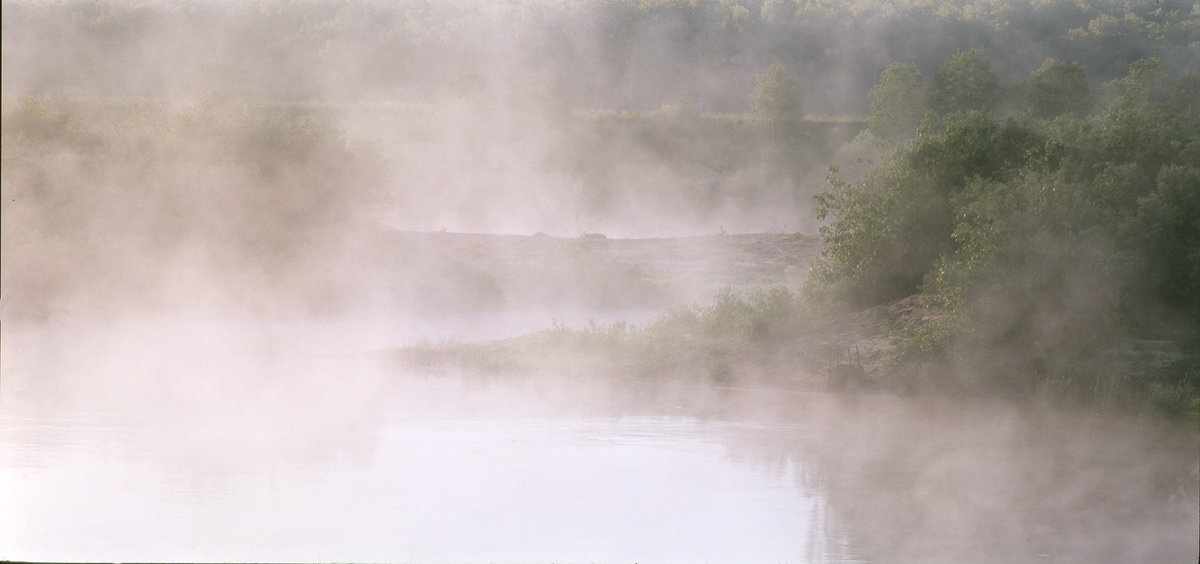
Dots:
{"x": 604, "y": 54}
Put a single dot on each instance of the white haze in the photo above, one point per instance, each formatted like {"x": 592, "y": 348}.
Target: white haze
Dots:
{"x": 220, "y": 443}
{"x": 174, "y": 261}
{"x": 179, "y": 187}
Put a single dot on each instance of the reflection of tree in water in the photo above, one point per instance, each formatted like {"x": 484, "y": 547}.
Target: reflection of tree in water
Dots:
{"x": 900, "y": 479}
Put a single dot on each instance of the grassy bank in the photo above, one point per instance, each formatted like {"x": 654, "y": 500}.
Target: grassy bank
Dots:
{"x": 770, "y": 337}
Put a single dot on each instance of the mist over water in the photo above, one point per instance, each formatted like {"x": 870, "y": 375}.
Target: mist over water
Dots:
{"x": 226, "y": 224}
{"x": 236, "y": 442}
{"x": 235, "y": 447}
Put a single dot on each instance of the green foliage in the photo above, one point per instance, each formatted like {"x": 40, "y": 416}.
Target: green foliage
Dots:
{"x": 923, "y": 342}
{"x": 1146, "y": 84}
{"x": 965, "y": 82}
{"x": 1171, "y": 401}
{"x": 897, "y": 101}
{"x": 1177, "y": 396}
{"x": 777, "y": 11}
{"x": 777, "y": 96}
{"x": 1040, "y": 245}
{"x": 1163, "y": 237}
{"x": 120, "y": 186}
{"x": 764, "y": 316}
{"x": 639, "y": 54}
{"x": 1059, "y": 88}
{"x": 1151, "y": 123}
{"x": 692, "y": 342}
{"x": 886, "y": 232}
{"x": 952, "y": 151}
{"x": 41, "y": 121}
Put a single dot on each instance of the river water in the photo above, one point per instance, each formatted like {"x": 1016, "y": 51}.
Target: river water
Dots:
{"x": 152, "y": 441}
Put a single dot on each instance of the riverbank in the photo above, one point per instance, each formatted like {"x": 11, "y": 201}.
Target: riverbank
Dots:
{"x": 750, "y": 337}
{"x": 769, "y": 336}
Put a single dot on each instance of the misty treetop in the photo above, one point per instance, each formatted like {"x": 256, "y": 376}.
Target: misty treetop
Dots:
{"x": 608, "y": 54}
{"x": 1029, "y": 167}
{"x": 1058, "y": 88}
{"x": 897, "y": 101}
{"x": 1041, "y": 242}
{"x": 965, "y": 82}
{"x": 777, "y": 96}
{"x": 116, "y": 194}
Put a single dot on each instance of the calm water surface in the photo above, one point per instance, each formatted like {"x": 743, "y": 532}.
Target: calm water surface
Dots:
{"x": 590, "y": 489}
{"x": 159, "y": 442}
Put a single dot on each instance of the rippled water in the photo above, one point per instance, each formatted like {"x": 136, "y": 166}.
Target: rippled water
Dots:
{"x": 156, "y": 443}
{"x": 617, "y": 489}
{"x": 153, "y": 442}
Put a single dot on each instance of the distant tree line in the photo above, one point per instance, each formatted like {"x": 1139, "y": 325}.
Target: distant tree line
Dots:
{"x": 109, "y": 204}
{"x": 967, "y": 81}
{"x": 602, "y": 54}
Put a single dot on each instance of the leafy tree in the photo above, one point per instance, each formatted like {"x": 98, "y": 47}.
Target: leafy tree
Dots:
{"x": 1147, "y": 83}
{"x": 1164, "y": 236}
{"x": 1151, "y": 124}
{"x": 897, "y": 101}
{"x": 882, "y": 236}
{"x": 1183, "y": 98}
{"x": 1039, "y": 244}
{"x": 777, "y": 11}
{"x": 965, "y": 82}
{"x": 886, "y": 232}
{"x": 1059, "y": 88}
{"x": 972, "y": 145}
{"x": 777, "y": 96}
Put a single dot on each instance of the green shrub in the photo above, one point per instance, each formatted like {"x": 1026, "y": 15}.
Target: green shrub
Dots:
{"x": 1173, "y": 401}
{"x": 1039, "y": 245}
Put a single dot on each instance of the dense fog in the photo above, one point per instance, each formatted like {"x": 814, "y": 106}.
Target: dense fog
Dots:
{"x": 164, "y": 147}
{"x": 920, "y": 276}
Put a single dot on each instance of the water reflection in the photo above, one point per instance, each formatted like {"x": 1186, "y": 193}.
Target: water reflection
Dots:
{"x": 130, "y": 445}
{"x": 593, "y": 489}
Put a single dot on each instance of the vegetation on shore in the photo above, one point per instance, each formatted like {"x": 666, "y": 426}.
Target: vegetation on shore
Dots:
{"x": 1049, "y": 248}
{"x": 1054, "y": 258}
{"x": 1039, "y": 202}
